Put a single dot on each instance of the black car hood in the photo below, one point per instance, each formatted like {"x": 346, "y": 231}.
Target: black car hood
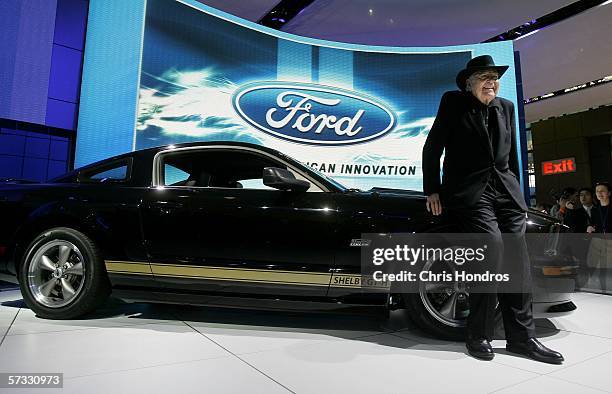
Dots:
{"x": 542, "y": 218}
{"x": 398, "y": 192}
{"x": 535, "y": 215}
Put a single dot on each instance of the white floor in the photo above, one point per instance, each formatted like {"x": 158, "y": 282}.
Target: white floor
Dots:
{"x": 144, "y": 348}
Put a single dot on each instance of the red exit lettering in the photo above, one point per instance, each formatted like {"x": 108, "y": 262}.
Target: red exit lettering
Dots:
{"x": 560, "y": 166}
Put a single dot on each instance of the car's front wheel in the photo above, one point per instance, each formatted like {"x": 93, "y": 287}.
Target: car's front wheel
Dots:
{"x": 62, "y": 274}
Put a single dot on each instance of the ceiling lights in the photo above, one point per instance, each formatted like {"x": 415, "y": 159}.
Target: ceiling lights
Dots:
{"x": 572, "y": 89}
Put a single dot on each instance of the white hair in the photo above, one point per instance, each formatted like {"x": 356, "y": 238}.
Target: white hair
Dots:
{"x": 469, "y": 82}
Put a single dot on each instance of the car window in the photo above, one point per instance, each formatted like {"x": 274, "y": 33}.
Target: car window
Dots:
{"x": 239, "y": 169}
{"x": 174, "y": 176}
{"x": 113, "y": 172}
{"x": 256, "y": 183}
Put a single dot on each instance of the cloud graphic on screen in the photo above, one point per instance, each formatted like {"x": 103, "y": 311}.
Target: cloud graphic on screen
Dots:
{"x": 412, "y": 129}
{"x": 193, "y": 104}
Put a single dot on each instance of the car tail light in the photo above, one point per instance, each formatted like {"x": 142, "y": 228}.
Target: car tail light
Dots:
{"x": 2, "y": 250}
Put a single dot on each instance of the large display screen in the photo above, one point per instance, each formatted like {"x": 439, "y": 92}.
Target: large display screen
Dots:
{"x": 359, "y": 114}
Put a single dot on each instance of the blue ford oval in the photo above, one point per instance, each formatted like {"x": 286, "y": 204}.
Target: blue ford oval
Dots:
{"x": 312, "y": 114}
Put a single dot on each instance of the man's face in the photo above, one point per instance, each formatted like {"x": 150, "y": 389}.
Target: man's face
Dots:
{"x": 484, "y": 85}
{"x": 602, "y": 193}
{"x": 586, "y": 198}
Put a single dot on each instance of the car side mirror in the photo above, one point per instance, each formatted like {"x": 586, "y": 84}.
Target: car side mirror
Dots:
{"x": 282, "y": 179}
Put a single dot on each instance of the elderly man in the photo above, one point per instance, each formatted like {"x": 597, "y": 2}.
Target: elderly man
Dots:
{"x": 480, "y": 190}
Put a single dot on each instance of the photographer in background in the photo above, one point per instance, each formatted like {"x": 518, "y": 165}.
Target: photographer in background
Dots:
{"x": 558, "y": 210}
{"x": 574, "y": 216}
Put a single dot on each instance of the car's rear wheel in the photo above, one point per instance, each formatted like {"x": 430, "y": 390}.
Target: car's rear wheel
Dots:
{"x": 441, "y": 308}
{"x": 62, "y": 275}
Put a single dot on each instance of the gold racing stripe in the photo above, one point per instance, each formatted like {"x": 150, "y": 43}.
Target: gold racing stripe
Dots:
{"x": 219, "y": 273}
{"x": 242, "y": 274}
{"x": 238, "y": 274}
{"x": 128, "y": 267}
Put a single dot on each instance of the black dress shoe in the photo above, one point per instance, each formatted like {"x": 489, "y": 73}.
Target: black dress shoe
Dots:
{"x": 532, "y": 348}
{"x": 479, "y": 348}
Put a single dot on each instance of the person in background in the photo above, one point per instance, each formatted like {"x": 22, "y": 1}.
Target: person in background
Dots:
{"x": 561, "y": 207}
{"x": 586, "y": 199}
{"x": 554, "y": 210}
{"x": 599, "y": 260}
{"x": 577, "y": 218}
{"x": 574, "y": 216}
{"x": 558, "y": 209}
{"x": 600, "y": 215}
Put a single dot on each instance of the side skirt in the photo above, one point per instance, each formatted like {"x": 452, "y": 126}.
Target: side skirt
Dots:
{"x": 374, "y": 306}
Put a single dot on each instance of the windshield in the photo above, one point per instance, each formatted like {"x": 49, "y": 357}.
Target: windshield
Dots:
{"x": 327, "y": 178}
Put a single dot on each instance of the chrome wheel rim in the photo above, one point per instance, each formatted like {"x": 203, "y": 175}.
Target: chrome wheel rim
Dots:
{"x": 447, "y": 302}
{"x": 56, "y": 273}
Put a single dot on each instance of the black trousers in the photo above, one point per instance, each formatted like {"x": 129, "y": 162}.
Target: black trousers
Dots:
{"x": 496, "y": 213}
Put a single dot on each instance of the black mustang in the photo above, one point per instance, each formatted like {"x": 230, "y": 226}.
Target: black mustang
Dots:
{"x": 230, "y": 224}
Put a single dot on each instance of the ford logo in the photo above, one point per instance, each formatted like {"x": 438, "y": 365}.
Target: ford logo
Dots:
{"x": 312, "y": 114}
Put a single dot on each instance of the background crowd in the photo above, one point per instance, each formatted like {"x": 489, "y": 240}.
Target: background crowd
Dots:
{"x": 583, "y": 210}
{"x": 587, "y": 211}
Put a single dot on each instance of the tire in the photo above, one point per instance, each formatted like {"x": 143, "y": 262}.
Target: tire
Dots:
{"x": 441, "y": 310}
{"x": 72, "y": 288}
{"x": 426, "y": 320}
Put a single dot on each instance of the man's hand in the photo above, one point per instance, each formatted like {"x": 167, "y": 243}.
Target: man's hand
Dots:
{"x": 433, "y": 204}
{"x": 591, "y": 229}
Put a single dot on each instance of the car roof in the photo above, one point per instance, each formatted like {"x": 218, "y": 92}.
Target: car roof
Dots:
{"x": 152, "y": 151}
{"x": 208, "y": 143}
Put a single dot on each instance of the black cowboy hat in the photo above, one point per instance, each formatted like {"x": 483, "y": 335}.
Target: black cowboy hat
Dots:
{"x": 479, "y": 63}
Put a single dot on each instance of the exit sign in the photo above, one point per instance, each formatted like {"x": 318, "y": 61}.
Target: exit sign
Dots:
{"x": 560, "y": 166}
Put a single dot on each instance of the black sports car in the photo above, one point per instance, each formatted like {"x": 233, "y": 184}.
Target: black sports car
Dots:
{"x": 223, "y": 223}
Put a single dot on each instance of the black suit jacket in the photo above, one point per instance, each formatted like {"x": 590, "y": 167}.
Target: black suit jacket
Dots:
{"x": 577, "y": 220}
{"x": 469, "y": 157}
{"x": 601, "y": 215}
